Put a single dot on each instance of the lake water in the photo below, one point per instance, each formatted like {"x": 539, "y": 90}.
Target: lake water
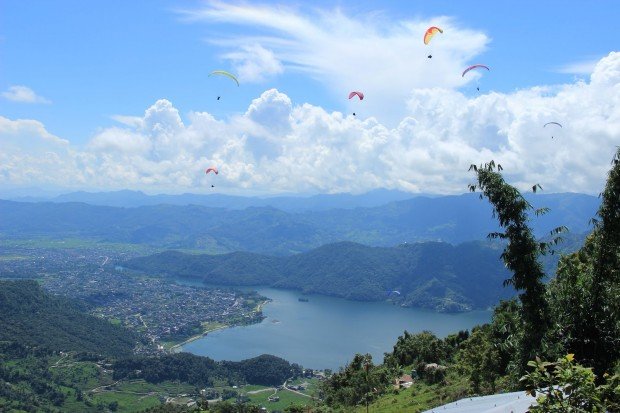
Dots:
{"x": 326, "y": 332}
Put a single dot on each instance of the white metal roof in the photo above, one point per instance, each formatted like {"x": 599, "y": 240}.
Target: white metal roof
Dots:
{"x": 516, "y": 402}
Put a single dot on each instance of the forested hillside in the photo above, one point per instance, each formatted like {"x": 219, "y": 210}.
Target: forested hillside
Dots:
{"x": 31, "y": 317}
{"x": 203, "y": 371}
{"x": 453, "y": 219}
{"x": 433, "y": 275}
{"x": 54, "y": 358}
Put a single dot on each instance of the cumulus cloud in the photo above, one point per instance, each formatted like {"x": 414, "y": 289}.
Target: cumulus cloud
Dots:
{"x": 23, "y": 94}
{"x": 29, "y": 152}
{"x": 345, "y": 52}
{"x": 281, "y": 146}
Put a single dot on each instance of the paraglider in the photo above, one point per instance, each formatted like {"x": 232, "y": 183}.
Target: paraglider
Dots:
{"x": 474, "y": 67}
{"x": 360, "y": 95}
{"x": 214, "y": 170}
{"x": 393, "y": 292}
{"x": 551, "y": 123}
{"x": 226, "y": 74}
{"x": 430, "y": 32}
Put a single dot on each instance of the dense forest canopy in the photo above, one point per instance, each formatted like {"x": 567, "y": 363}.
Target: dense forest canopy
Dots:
{"x": 30, "y": 316}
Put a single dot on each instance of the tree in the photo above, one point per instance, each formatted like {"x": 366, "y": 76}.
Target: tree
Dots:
{"x": 479, "y": 359}
{"x": 420, "y": 347}
{"x": 358, "y": 383}
{"x": 584, "y": 295}
{"x": 565, "y": 386}
{"x": 521, "y": 255}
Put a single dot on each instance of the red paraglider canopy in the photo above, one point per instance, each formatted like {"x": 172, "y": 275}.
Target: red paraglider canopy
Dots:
{"x": 212, "y": 169}
{"x": 359, "y": 95}
{"x": 475, "y": 67}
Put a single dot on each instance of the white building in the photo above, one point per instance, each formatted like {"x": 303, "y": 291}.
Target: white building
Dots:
{"x": 517, "y": 402}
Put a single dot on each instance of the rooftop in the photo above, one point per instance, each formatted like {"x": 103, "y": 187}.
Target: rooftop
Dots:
{"x": 516, "y": 402}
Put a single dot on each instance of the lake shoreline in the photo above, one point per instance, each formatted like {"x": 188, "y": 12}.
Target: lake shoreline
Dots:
{"x": 178, "y": 347}
{"x": 326, "y": 331}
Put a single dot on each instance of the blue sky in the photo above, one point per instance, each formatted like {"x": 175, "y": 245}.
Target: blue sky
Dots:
{"x": 75, "y": 68}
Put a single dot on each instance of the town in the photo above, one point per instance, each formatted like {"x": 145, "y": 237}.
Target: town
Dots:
{"x": 163, "y": 311}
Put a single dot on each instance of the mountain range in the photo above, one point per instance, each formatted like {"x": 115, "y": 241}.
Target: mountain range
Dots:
{"x": 268, "y": 230}
{"x": 289, "y": 203}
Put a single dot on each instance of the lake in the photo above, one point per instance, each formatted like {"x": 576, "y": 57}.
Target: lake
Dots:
{"x": 326, "y": 332}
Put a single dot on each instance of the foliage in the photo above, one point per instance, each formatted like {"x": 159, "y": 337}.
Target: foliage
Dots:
{"x": 506, "y": 332}
{"x": 479, "y": 359}
{"x": 453, "y": 342}
{"x": 227, "y": 407}
{"x": 520, "y": 254}
{"x": 30, "y": 316}
{"x": 565, "y": 386}
{"x": 203, "y": 371}
{"x": 584, "y": 295}
{"x": 359, "y": 382}
{"x": 424, "y": 347}
{"x": 265, "y": 370}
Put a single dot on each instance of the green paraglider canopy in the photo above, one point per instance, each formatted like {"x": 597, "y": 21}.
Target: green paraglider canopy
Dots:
{"x": 225, "y": 73}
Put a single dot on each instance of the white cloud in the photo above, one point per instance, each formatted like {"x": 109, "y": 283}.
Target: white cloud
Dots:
{"x": 254, "y": 63}
{"x": 133, "y": 121}
{"x": 23, "y": 94}
{"x": 281, "y": 146}
{"x": 386, "y": 60}
{"x": 582, "y": 67}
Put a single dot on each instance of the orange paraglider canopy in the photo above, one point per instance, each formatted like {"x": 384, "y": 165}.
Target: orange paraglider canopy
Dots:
{"x": 430, "y": 32}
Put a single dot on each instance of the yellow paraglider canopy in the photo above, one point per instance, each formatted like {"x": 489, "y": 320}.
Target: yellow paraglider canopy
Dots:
{"x": 225, "y": 73}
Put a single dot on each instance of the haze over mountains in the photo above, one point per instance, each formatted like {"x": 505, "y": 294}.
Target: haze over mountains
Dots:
{"x": 291, "y": 203}
{"x": 300, "y": 225}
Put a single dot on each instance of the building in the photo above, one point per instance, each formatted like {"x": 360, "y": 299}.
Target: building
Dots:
{"x": 404, "y": 381}
{"x": 516, "y": 402}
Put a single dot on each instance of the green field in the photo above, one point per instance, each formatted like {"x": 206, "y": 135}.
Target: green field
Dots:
{"x": 89, "y": 243}
{"x": 127, "y": 402}
{"x": 287, "y": 398}
{"x": 419, "y": 397}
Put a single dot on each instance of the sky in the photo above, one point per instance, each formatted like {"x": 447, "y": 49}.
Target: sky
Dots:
{"x": 109, "y": 95}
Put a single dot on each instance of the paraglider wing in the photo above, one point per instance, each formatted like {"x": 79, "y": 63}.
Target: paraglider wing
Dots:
{"x": 212, "y": 169}
{"x": 225, "y": 73}
{"x": 474, "y": 67}
{"x": 430, "y": 32}
{"x": 356, "y": 93}
{"x": 551, "y": 123}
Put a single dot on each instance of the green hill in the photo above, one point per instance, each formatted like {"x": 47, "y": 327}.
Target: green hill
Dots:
{"x": 54, "y": 358}
{"x": 31, "y": 317}
{"x": 433, "y": 275}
